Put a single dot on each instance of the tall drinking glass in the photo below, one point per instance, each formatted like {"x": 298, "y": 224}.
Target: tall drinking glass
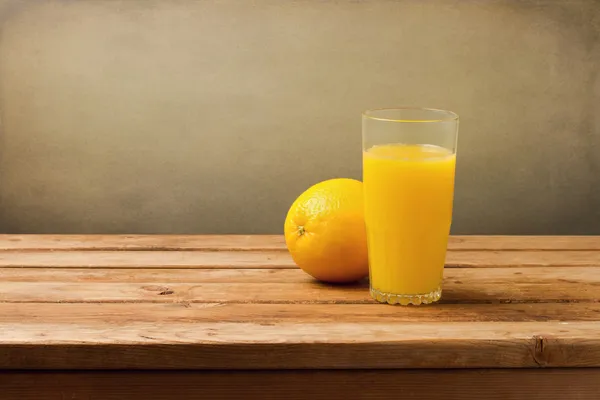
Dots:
{"x": 409, "y": 156}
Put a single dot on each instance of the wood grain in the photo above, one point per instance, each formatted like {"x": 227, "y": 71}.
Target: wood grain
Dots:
{"x": 267, "y": 242}
{"x": 462, "y": 285}
{"x": 272, "y": 259}
{"x": 494, "y": 384}
{"x": 124, "y": 313}
{"x": 379, "y": 345}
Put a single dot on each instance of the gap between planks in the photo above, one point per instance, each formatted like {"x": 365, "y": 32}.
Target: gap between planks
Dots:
{"x": 266, "y": 242}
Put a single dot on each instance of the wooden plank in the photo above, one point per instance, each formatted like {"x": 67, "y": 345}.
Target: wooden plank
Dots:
{"x": 555, "y": 243}
{"x": 490, "y": 384}
{"x": 500, "y": 275}
{"x": 161, "y": 275}
{"x": 462, "y": 285}
{"x": 157, "y": 345}
{"x": 147, "y": 259}
{"x": 268, "y": 242}
{"x": 271, "y": 259}
{"x": 149, "y": 292}
{"x": 142, "y": 242}
{"x": 522, "y": 258}
{"x": 122, "y": 314}
{"x": 164, "y": 275}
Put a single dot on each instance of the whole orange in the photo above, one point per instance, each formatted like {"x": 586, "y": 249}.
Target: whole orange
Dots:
{"x": 325, "y": 231}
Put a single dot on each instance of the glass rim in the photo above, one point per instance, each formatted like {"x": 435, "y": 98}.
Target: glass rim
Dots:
{"x": 451, "y": 116}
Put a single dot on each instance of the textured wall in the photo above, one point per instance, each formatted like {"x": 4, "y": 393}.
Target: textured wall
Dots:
{"x": 201, "y": 116}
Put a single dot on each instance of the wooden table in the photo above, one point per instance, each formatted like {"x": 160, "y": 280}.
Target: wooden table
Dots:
{"x": 213, "y": 317}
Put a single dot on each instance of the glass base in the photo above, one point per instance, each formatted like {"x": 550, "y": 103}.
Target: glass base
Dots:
{"x": 406, "y": 299}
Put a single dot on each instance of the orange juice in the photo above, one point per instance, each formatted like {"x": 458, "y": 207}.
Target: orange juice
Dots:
{"x": 409, "y": 193}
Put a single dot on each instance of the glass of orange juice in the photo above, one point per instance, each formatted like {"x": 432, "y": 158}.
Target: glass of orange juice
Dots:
{"x": 409, "y": 156}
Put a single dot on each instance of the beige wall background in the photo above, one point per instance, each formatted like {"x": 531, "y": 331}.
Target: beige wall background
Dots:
{"x": 212, "y": 116}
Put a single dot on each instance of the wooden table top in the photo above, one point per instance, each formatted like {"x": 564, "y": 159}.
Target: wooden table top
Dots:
{"x": 239, "y": 302}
